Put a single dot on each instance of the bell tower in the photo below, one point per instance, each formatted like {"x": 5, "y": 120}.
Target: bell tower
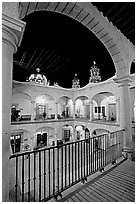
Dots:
{"x": 94, "y": 74}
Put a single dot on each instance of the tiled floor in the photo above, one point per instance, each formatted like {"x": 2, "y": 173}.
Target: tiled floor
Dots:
{"x": 115, "y": 185}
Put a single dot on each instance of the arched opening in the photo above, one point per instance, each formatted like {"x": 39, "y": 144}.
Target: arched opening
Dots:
{"x": 44, "y": 136}
{"x": 60, "y": 56}
{"x": 44, "y": 107}
{"x": 20, "y": 141}
{"x": 132, "y": 68}
{"x": 105, "y": 107}
{"x": 65, "y": 107}
{"x": 81, "y": 132}
{"x": 82, "y": 107}
{"x": 21, "y": 107}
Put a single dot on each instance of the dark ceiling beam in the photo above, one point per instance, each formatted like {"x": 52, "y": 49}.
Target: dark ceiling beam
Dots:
{"x": 36, "y": 61}
{"x": 52, "y": 62}
{"x": 27, "y": 9}
{"x": 31, "y": 59}
{"x": 46, "y": 53}
{"x": 50, "y": 58}
{"x": 111, "y": 8}
{"x": 56, "y": 62}
{"x": 43, "y": 56}
{"x": 119, "y": 12}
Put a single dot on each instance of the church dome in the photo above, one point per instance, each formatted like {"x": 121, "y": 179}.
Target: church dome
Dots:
{"x": 38, "y": 78}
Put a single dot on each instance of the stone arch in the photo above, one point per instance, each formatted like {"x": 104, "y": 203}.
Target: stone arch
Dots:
{"x": 49, "y": 134}
{"x": 82, "y": 131}
{"x": 85, "y": 13}
{"x": 61, "y": 133}
{"x": 27, "y": 96}
{"x": 25, "y": 138}
{"x": 23, "y": 102}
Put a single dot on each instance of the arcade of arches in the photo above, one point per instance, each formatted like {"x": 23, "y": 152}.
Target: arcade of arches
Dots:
{"x": 50, "y": 113}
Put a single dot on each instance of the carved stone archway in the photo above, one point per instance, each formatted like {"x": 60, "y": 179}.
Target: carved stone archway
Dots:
{"x": 119, "y": 48}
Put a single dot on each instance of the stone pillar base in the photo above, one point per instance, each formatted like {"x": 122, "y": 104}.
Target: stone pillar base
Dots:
{"x": 128, "y": 153}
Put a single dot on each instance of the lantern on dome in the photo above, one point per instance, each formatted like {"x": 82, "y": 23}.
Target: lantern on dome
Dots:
{"x": 75, "y": 82}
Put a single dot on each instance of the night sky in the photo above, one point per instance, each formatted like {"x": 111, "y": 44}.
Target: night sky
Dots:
{"x": 60, "y": 47}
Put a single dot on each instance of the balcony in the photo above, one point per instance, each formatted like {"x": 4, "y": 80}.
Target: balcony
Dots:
{"x": 47, "y": 173}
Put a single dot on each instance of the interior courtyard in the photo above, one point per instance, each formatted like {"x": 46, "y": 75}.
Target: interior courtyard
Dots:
{"x": 68, "y": 83}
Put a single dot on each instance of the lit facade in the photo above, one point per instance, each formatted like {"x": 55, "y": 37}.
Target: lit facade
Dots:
{"x": 64, "y": 114}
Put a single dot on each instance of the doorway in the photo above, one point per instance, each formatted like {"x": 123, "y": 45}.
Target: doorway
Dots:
{"x": 15, "y": 141}
{"x": 42, "y": 139}
{"x": 112, "y": 111}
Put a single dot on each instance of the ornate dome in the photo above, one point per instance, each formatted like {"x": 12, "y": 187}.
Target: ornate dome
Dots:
{"x": 38, "y": 78}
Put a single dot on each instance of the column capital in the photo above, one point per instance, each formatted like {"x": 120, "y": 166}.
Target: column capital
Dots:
{"x": 124, "y": 81}
{"x": 90, "y": 101}
{"x": 12, "y": 31}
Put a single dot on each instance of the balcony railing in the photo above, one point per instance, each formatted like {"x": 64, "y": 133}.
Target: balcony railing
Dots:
{"x": 43, "y": 174}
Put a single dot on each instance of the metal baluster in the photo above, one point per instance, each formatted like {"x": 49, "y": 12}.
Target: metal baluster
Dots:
{"x": 72, "y": 163}
{"x": 81, "y": 161}
{"x": 78, "y": 163}
{"x": 106, "y": 148}
{"x": 84, "y": 158}
{"x": 22, "y": 177}
{"x": 16, "y": 185}
{"x": 34, "y": 172}
{"x": 65, "y": 166}
{"x": 92, "y": 155}
{"x": 99, "y": 151}
{"x": 69, "y": 164}
{"x": 75, "y": 162}
{"x": 58, "y": 167}
{"x": 49, "y": 172}
{"x": 62, "y": 167}
{"x": 39, "y": 176}
{"x": 89, "y": 155}
{"x": 29, "y": 177}
{"x": 95, "y": 156}
{"x": 53, "y": 171}
{"x": 44, "y": 174}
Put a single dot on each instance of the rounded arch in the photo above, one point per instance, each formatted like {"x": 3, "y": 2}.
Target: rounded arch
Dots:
{"x": 20, "y": 138}
{"x": 22, "y": 102}
{"x": 44, "y": 135}
{"x": 89, "y": 16}
{"x": 82, "y": 132}
{"x": 65, "y": 132}
{"x": 100, "y": 96}
{"x": 21, "y": 95}
{"x": 43, "y": 98}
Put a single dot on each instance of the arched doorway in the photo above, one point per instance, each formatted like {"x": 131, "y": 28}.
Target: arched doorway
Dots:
{"x": 44, "y": 136}
{"x": 42, "y": 107}
{"x": 81, "y": 132}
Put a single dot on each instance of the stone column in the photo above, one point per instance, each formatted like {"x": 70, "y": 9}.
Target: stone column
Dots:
{"x": 12, "y": 31}
{"x": 32, "y": 110}
{"x": 118, "y": 110}
{"x": 74, "y": 110}
{"x": 91, "y": 110}
{"x": 125, "y": 113}
{"x": 56, "y": 114}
